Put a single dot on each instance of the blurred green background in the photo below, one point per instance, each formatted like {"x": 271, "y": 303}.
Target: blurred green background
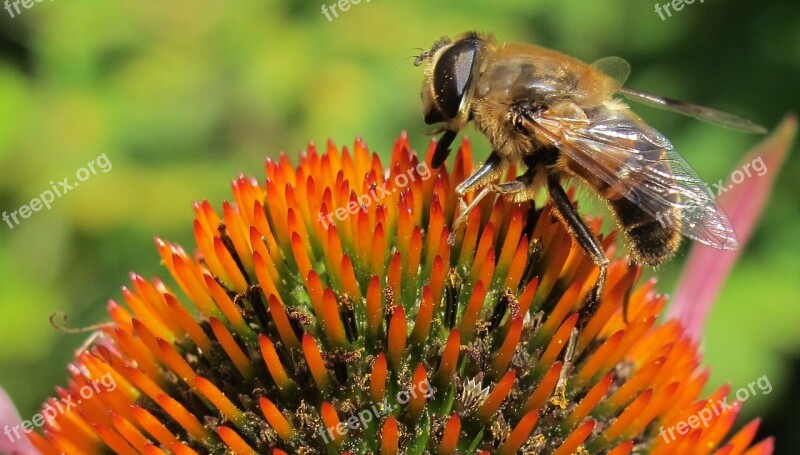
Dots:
{"x": 183, "y": 95}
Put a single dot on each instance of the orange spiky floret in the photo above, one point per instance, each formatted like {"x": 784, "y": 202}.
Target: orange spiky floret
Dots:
{"x": 326, "y": 311}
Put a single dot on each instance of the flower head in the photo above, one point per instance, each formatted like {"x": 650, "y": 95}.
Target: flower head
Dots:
{"x": 325, "y": 311}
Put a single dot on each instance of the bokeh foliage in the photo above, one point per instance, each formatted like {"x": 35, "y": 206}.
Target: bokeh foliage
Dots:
{"x": 184, "y": 95}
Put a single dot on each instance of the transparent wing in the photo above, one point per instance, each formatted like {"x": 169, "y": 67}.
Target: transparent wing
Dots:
{"x": 639, "y": 163}
{"x": 615, "y": 67}
{"x": 619, "y": 70}
{"x": 705, "y": 114}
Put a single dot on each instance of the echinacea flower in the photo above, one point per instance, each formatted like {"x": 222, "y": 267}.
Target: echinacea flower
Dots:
{"x": 707, "y": 268}
{"x": 326, "y": 312}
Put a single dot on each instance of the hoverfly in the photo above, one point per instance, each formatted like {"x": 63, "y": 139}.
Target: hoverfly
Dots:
{"x": 558, "y": 116}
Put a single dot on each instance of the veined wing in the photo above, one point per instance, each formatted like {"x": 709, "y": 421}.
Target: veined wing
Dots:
{"x": 618, "y": 148}
{"x": 619, "y": 70}
{"x": 705, "y": 114}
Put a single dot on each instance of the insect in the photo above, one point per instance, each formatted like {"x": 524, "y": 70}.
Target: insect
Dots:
{"x": 558, "y": 116}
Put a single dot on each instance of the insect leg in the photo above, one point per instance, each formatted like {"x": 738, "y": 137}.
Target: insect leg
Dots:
{"x": 489, "y": 172}
{"x": 520, "y": 189}
{"x": 586, "y": 239}
{"x": 443, "y": 148}
{"x": 464, "y": 210}
{"x": 511, "y": 187}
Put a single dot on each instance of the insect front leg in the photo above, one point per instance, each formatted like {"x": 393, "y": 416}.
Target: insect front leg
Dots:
{"x": 489, "y": 172}
{"x": 586, "y": 239}
{"x": 510, "y": 189}
{"x": 443, "y": 148}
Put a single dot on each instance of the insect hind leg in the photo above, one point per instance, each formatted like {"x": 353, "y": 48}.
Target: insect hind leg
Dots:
{"x": 586, "y": 239}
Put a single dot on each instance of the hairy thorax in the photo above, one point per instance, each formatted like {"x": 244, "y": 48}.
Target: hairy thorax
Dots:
{"x": 520, "y": 81}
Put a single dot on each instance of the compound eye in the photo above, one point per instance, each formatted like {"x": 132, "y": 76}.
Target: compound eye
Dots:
{"x": 452, "y": 75}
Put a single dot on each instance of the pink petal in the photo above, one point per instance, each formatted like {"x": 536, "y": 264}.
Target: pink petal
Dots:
{"x": 707, "y": 268}
{"x": 9, "y": 418}
{"x": 765, "y": 447}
